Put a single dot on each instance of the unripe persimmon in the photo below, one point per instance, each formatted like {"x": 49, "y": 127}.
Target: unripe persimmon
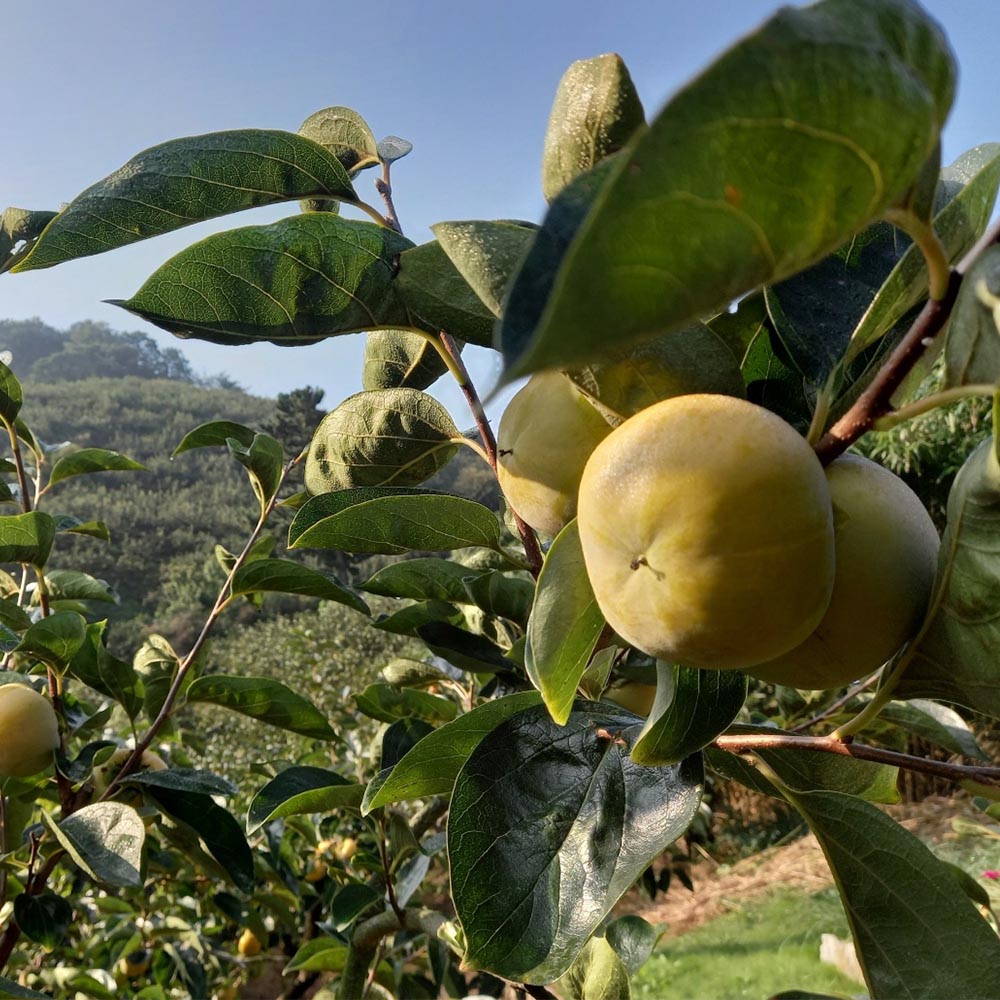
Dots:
{"x": 707, "y": 532}
{"x": 637, "y": 698}
{"x": 105, "y": 773}
{"x": 886, "y": 552}
{"x": 249, "y": 944}
{"x": 546, "y": 435}
{"x": 29, "y": 731}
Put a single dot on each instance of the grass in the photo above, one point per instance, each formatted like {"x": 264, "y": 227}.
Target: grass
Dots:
{"x": 767, "y": 947}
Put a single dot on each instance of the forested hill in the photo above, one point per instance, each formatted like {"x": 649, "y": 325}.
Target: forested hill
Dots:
{"x": 94, "y": 387}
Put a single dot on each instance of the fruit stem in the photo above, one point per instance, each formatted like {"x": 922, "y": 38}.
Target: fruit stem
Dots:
{"x": 931, "y": 402}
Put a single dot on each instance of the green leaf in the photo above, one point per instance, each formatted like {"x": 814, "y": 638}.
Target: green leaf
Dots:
{"x": 296, "y": 281}
{"x": 87, "y": 460}
{"x": 97, "y": 668}
{"x": 386, "y": 703}
{"x": 393, "y": 521}
{"x": 486, "y": 254}
{"x": 396, "y": 359}
{"x": 438, "y": 298}
{"x": 426, "y": 579}
{"x": 188, "y": 180}
{"x": 634, "y": 939}
{"x": 323, "y": 954}
{"x": 383, "y": 437}
{"x": 952, "y": 658}
{"x": 935, "y": 723}
{"x": 20, "y": 225}
{"x": 969, "y": 188}
{"x": 56, "y": 639}
{"x": 597, "y": 973}
{"x": 393, "y": 148}
{"x": 105, "y": 839}
{"x": 44, "y": 918}
{"x": 71, "y": 585}
{"x": 216, "y": 433}
{"x": 549, "y": 825}
{"x": 916, "y": 934}
{"x": 344, "y": 133}
{"x": 401, "y": 672}
{"x": 11, "y": 395}
{"x": 431, "y": 767}
{"x": 691, "y": 708}
{"x": 462, "y": 649}
{"x": 972, "y": 345}
{"x": 502, "y": 596}
{"x": 27, "y": 538}
{"x": 596, "y": 111}
{"x": 13, "y": 615}
{"x": 298, "y": 790}
{"x": 157, "y": 664}
{"x": 351, "y": 901}
{"x": 221, "y": 834}
{"x": 412, "y": 617}
{"x": 74, "y": 526}
{"x": 183, "y": 779}
{"x": 810, "y": 94}
{"x": 8, "y": 988}
{"x": 265, "y": 700}
{"x": 286, "y": 577}
{"x": 264, "y": 460}
{"x": 564, "y": 626}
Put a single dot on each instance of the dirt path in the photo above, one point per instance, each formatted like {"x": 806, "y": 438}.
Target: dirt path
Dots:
{"x": 799, "y": 865}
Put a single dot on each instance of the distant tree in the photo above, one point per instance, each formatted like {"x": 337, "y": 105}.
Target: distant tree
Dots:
{"x": 28, "y": 340}
{"x": 297, "y": 415}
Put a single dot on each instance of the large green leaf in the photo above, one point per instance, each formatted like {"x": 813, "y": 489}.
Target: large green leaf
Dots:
{"x": 954, "y": 658}
{"x": 564, "y": 625}
{"x": 548, "y": 827}
{"x": 425, "y": 579}
{"x": 216, "y": 434}
{"x": 298, "y": 790}
{"x": 431, "y": 767}
{"x": 105, "y": 839}
{"x": 393, "y": 521}
{"x": 596, "y": 974}
{"x": 688, "y": 220}
{"x": 188, "y": 180}
{"x": 387, "y": 704}
{"x": 345, "y": 134}
{"x": 264, "y": 460}
{"x": 596, "y": 111}
{"x": 400, "y": 359}
{"x": 98, "y": 668}
{"x": 296, "y": 281}
{"x": 437, "y": 297}
{"x": 916, "y": 934}
{"x": 935, "y": 723}
{"x": 265, "y": 700}
{"x": 44, "y": 918}
{"x": 383, "y": 437}
{"x": 55, "y": 639}
{"x": 486, "y": 254}
{"x": 286, "y": 577}
{"x": 972, "y": 347}
{"x": 691, "y": 708}
{"x": 72, "y": 585}
{"x": 27, "y": 538}
{"x": 88, "y": 460}
{"x": 20, "y": 226}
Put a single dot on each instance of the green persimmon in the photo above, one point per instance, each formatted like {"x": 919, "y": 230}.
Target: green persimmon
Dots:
{"x": 546, "y": 435}
{"x": 707, "y": 532}
{"x": 29, "y": 731}
{"x": 886, "y": 555}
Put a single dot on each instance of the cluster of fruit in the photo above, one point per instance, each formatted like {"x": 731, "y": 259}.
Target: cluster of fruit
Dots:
{"x": 714, "y": 538}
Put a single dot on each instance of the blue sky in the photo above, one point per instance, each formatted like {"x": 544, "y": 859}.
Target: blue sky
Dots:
{"x": 469, "y": 83}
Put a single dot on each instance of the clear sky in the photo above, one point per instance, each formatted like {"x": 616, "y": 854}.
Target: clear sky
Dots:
{"x": 470, "y": 83}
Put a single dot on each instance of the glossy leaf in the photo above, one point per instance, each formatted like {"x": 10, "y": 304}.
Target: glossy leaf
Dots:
{"x": 502, "y": 596}
{"x": 323, "y": 954}
{"x": 953, "y": 659}
{"x": 402, "y": 672}
{"x": 383, "y": 437}
{"x": 56, "y": 639}
{"x": 916, "y": 934}
{"x": 386, "y": 703}
{"x": 156, "y": 662}
{"x": 935, "y": 723}
{"x": 397, "y": 359}
{"x": 218, "y": 830}
{"x": 463, "y": 649}
{"x": 810, "y": 92}
{"x": 564, "y": 625}
{"x": 597, "y": 973}
{"x": 27, "y": 538}
{"x": 344, "y": 133}
{"x": 11, "y": 395}
{"x": 105, "y": 839}
{"x": 296, "y": 281}
{"x": 351, "y": 901}
{"x": 633, "y": 939}
{"x": 431, "y": 767}
{"x": 425, "y": 579}
{"x": 96, "y": 667}
{"x": 44, "y": 918}
{"x": 88, "y": 460}
{"x": 183, "y": 779}
{"x": 286, "y": 577}
{"x": 71, "y": 585}
{"x": 393, "y": 521}
{"x": 265, "y": 700}
{"x": 549, "y": 825}
{"x": 73, "y": 525}
{"x": 596, "y": 111}
{"x": 486, "y": 254}
{"x": 437, "y": 297}
{"x": 216, "y": 433}
{"x": 264, "y": 460}
{"x": 972, "y": 346}
{"x": 298, "y": 790}
{"x": 188, "y": 180}
{"x": 691, "y": 708}
{"x": 19, "y": 229}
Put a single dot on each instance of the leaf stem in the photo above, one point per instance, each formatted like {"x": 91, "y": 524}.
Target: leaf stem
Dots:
{"x": 384, "y": 188}
{"x": 927, "y": 403}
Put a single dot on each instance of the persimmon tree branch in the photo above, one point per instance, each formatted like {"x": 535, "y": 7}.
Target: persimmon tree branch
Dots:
{"x": 876, "y": 401}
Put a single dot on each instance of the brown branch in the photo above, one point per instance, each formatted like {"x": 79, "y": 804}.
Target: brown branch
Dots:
{"x": 876, "y": 400}
{"x": 529, "y": 539}
{"x": 859, "y": 751}
{"x": 384, "y": 188}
